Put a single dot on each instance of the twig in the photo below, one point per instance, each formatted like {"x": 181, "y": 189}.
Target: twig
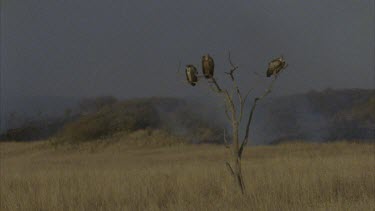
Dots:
{"x": 247, "y": 94}
{"x": 234, "y": 67}
{"x": 226, "y": 111}
{"x": 219, "y": 90}
{"x": 235, "y": 85}
{"x": 226, "y": 140}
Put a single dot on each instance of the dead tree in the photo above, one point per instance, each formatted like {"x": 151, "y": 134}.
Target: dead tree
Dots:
{"x": 235, "y": 112}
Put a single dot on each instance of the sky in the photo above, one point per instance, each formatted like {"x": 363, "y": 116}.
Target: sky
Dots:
{"x": 134, "y": 48}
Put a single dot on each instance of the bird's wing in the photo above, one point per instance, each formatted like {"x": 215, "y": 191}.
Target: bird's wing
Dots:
{"x": 269, "y": 72}
{"x": 187, "y": 74}
{"x": 273, "y": 64}
{"x": 205, "y": 66}
{"x": 212, "y": 63}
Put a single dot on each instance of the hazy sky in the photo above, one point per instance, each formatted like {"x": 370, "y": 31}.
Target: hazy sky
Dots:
{"x": 132, "y": 48}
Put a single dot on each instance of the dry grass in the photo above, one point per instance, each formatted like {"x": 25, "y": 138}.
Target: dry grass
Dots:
{"x": 35, "y": 176}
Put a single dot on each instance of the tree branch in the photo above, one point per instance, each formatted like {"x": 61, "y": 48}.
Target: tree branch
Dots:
{"x": 231, "y": 106}
{"x": 234, "y": 67}
{"x": 243, "y": 105}
{"x": 231, "y": 74}
{"x": 219, "y": 90}
{"x": 230, "y": 168}
{"x": 226, "y": 111}
{"x": 226, "y": 140}
{"x": 235, "y": 86}
{"x": 228, "y": 100}
{"x": 246, "y": 138}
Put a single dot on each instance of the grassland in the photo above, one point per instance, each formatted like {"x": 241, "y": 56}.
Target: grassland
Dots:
{"x": 293, "y": 176}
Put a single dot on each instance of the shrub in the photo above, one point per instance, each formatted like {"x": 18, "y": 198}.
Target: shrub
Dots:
{"x": 128, "y": 116}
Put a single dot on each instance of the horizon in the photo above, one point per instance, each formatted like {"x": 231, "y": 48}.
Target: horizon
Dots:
{"x": 52, "y": 107}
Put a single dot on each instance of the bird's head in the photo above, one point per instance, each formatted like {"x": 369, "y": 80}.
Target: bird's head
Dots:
{"x": 205, "y": 57}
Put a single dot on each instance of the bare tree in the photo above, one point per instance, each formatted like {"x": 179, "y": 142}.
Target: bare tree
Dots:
{"x": 234, "y": 110}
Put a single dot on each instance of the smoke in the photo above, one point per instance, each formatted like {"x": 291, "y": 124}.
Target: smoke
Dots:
{"x": 312, "y": 124}
{"x": 192, "y": 119}
{"x": 314, "y": 116}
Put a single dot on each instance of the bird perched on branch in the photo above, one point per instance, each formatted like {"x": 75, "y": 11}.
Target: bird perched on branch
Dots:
{"x": 208, "y": 66}
{"x": 275, "y": 66}
{"x": 191, "y": 74}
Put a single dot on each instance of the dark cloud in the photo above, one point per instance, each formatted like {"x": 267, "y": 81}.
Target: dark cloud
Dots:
{"x": 132, "y": 48}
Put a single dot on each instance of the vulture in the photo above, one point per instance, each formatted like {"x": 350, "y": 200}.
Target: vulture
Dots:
{"x": 191, "y": 74}
{"x": 275, "y": 66}
{"x": 208, "y": 66}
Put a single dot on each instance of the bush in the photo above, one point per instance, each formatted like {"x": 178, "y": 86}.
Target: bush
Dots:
{"x": 127, "y": 116}
{"x": 162, "y": 116}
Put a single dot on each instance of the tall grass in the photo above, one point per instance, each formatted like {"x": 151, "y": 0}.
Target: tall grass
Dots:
{"x": 35, "y": 176}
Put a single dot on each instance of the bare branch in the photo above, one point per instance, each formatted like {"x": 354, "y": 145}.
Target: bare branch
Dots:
{"x": 219, "y": 90}
{"x": 232, "y": 93}
{"x": 226, "y": 111}
{"x": 235, "y": 85}
{"x": 214, "y": 89}
{"x": 246, "y": 138}
{"x": 228, "y": 99}
{"x": 230, "y": 168}
{"x": 231, "y": 105}
{"x": 247, "y": 94}
{"x": 242, "y": 105}
{"x": 226, "y": 140}
{"x": 234, "y": 67}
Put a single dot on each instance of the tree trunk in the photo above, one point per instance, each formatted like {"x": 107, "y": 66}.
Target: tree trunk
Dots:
{"x": 237, "y": 159}
{"x": 238, "y": 174}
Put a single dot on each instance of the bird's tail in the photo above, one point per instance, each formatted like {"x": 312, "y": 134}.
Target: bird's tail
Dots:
{"x": 269, "y": 73}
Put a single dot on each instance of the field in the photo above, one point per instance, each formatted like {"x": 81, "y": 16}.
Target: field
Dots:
{"x": 291, "y": 176}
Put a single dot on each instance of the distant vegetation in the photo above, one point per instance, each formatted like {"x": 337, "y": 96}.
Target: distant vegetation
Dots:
{"x": 321, "y": 116}
{"x": 173, "y": 116}
{"x": 363, "y": 112}
{"x": 314, "y": 116}
{"x": 107, "y": 120}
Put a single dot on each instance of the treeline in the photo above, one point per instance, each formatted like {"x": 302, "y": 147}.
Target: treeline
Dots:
{"x": 322, "y": 116}
{"x": 104, "y": 117}
{"x": 314, "y": 116}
